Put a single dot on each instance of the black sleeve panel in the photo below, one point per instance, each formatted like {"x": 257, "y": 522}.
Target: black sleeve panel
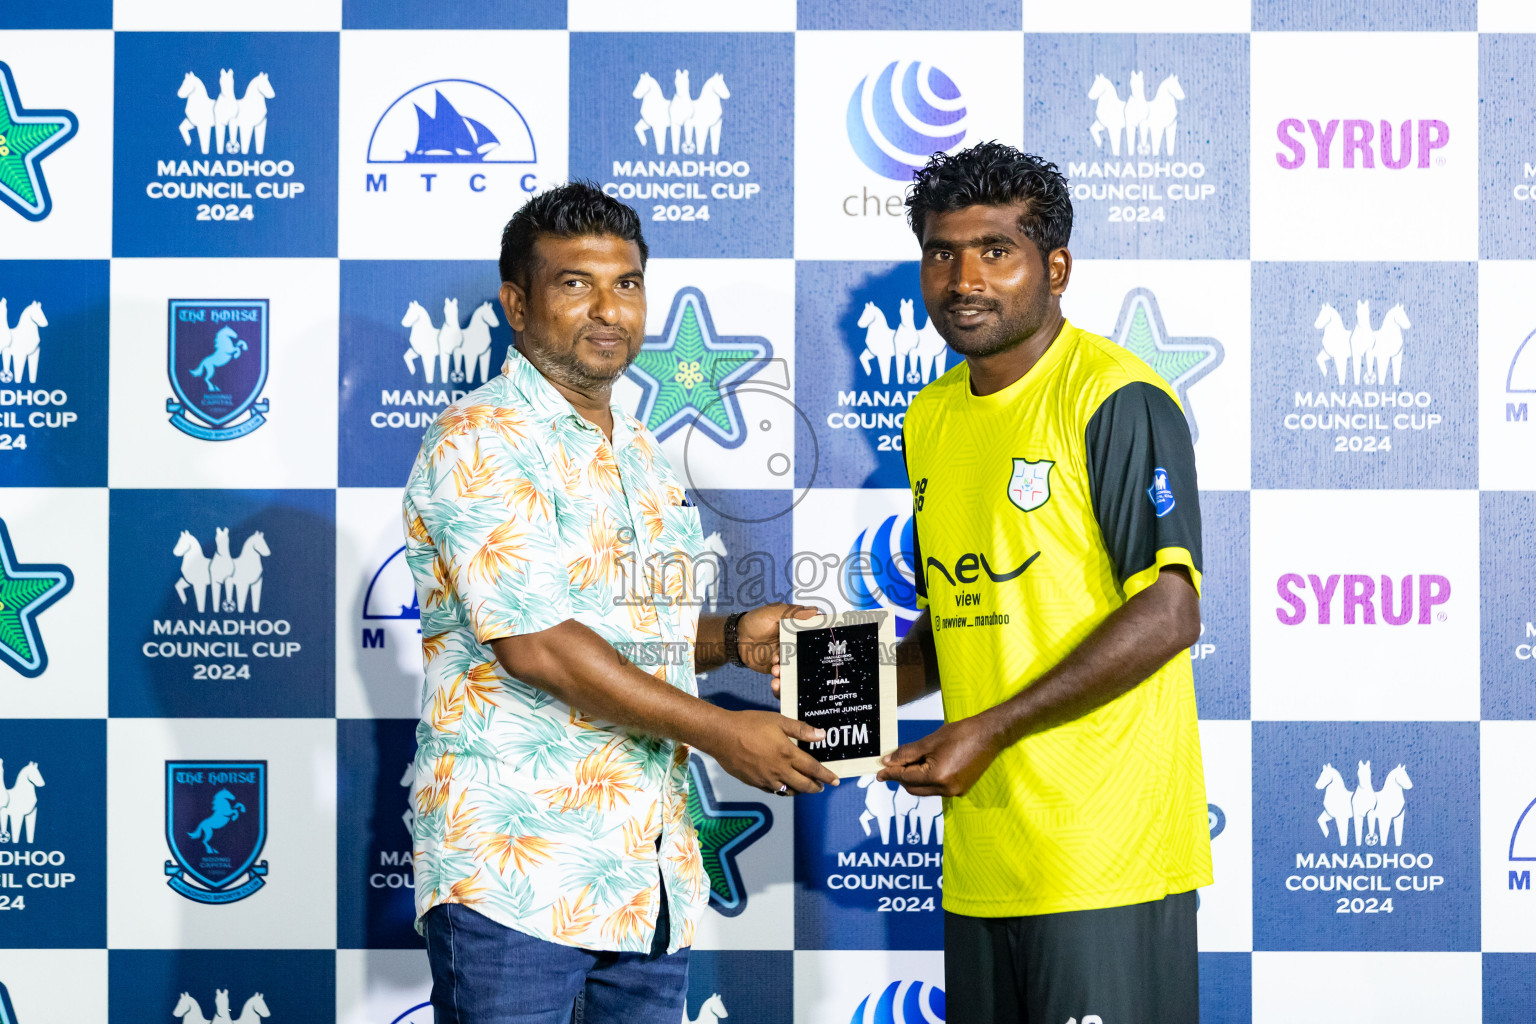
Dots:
{"x": 1141, "y": 474}
{"x": 917, "y": 549}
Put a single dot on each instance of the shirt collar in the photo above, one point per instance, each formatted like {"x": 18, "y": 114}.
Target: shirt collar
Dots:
{"x": 546, "y": 400}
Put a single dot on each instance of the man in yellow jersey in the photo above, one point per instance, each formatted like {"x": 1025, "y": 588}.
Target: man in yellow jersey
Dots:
{"x": 1057, "y": 536}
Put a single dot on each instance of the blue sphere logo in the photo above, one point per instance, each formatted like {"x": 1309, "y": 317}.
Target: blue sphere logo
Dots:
{"x": 900, "y": 117}
{"x": 903, "y": 1002}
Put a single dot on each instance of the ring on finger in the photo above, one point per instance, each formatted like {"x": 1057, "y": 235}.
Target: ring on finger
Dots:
{"x": 783, "y": 789}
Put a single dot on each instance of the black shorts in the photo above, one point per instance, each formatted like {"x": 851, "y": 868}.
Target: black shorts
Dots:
{"x": 1122, "y": 965}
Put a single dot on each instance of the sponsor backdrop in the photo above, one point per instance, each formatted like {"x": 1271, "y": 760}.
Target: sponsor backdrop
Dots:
{"x": 247, "y": 255}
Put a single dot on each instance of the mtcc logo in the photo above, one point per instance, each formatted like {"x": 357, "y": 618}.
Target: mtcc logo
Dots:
{"x": 1520, "y": 381}
{"x": 453, "y": 121}
{"x": 216, "y": 826}
{"x": 1522, "y": 847}
{"x": 693, "y": 125}
{"x": 26, "y": 136}
{"x": 189, "y": 1011}
{"x": 901, "y": 115}
{"x": 234, "y": 125}
{"x": 902, "y": 1002}
{"x": 25, "y": 592}
{"x": 1359, "y": 360}
{"x": 224, "y": 339}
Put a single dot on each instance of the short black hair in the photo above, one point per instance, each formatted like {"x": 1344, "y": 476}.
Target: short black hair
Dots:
{"x": 992, "y": 174}
{"x": 569, "y": 211}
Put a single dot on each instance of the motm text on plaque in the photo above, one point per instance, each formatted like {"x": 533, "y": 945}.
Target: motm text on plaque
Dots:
{"x": 838, "y": 673}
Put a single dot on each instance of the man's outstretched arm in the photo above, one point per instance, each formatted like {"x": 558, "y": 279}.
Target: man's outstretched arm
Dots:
{"x": 1133, "y": 642}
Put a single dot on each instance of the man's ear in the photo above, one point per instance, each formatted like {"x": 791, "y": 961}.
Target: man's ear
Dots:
{"x": 514, "y": 303}
{"x": 1059, "y": 265}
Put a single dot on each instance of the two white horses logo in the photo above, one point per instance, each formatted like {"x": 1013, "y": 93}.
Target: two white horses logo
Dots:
{"x": 191, "y": 1011}
{"x": 18, "y": 345}
{"x": 687, "y": 120}
{"x": 237, "y": 577}
{"x": 1147, "y": 125}
{"x": 18, "y": 805}
{"x": 465, "y": 347}
{"x": 917, "y": 819}
{"x": 711, "y": 1012}
{"x": 916, "y": 354}
{"x": 1373, "y": 811}
{"x": 1375, "y": 348}
{"x": 234, "y": 123}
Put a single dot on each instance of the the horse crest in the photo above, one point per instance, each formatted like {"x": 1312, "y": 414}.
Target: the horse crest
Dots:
{"x": 216, "y": 826}
{"x": 1030, "y": 485}
{"x": 217, "y": 359}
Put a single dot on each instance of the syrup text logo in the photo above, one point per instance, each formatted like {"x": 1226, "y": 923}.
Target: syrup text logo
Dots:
{"x": 1358, "y": 144}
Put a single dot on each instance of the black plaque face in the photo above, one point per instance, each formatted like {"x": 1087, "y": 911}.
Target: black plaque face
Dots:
{"x": 838, "y": 680}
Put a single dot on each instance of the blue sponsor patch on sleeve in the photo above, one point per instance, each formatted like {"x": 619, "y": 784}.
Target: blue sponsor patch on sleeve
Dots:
{"x": 1162, "y": 497}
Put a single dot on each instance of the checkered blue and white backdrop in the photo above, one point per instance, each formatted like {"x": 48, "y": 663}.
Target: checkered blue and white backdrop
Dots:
{"x": 247, "y": 254}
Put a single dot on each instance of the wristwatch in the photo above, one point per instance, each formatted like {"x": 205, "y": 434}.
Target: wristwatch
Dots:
{"x": 732, "y": 641}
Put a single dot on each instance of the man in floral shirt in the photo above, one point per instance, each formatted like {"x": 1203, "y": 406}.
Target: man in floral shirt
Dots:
{"x": 553, "y": 553}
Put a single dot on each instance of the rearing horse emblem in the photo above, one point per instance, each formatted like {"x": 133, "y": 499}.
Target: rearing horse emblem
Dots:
{"x": 217, "y": 361}
{"x": 215, "y": 826}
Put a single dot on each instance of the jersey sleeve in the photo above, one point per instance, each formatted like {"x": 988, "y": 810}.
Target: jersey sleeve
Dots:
{"x": 919, "y": 581}
{"x": 1141, "y": 474}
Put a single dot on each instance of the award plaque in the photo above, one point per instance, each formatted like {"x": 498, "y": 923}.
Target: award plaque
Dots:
{"x": 838, "y": 673}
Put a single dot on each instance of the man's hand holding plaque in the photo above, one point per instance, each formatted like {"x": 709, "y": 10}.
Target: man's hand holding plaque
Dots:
{"x": 836, "y": 673}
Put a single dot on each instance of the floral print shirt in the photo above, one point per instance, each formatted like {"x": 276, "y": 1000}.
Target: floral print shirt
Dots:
{"x": 520, "y": 514}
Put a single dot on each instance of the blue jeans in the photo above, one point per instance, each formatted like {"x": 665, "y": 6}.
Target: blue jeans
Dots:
{"x": 487, "y": 973}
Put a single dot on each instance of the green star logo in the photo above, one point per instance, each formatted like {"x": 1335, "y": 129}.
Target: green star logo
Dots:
{"x": 26, "y": 136}
{"x": 1179, "y": 361}
{"x": 724, "y": 831}
{"x": 687, "y": 374}
{"x": 25, "y": 590}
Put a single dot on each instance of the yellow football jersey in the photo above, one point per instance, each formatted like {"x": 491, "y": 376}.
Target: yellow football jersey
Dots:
{"x": 1039, "y": 510}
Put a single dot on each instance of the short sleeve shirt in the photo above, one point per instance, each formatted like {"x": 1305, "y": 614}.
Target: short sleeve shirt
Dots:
{"x": 520, "y": 514}
{"x": 1039, "y": 510}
